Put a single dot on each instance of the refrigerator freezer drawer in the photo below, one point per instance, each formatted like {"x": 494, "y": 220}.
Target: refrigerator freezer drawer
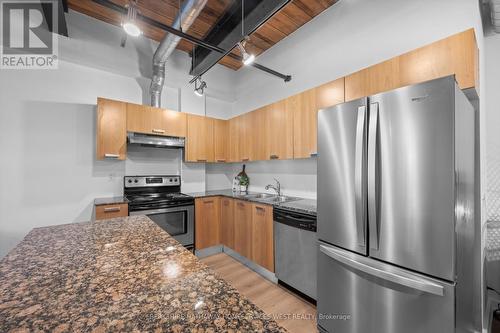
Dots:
{"x": 358, "y": 294}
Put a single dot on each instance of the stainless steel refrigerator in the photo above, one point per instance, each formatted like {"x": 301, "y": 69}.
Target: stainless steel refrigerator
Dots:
{"x": 396, "y": 212}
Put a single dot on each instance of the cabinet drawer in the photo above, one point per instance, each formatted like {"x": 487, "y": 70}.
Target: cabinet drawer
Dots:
{"x": 103, "y": 212}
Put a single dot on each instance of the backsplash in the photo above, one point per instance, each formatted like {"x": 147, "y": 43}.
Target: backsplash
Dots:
{"x": 297, "y": 177}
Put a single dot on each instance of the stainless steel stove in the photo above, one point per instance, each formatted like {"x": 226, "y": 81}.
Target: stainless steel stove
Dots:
{"x": 160, "y": 198}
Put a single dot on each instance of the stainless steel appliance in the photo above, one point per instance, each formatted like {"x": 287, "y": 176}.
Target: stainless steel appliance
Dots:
{"x": 492, "y": 270}
{"x": 159, "y": 198}
{"x": 396, "y": 212}
{"x": 295, "y": 247}
{"x": 158, "y": 141}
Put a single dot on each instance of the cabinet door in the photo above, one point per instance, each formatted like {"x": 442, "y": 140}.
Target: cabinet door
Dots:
{"x": 453, "y": 55}
{"x": 200, "y": 139}
{"x": 279, "y": 131}
{"x": 245, "y": 140}
{"x": 168, "y": 122}
{"x": 243, "y": 228}
{"x": 262, "y": 236}
{"x": 234, "y": 139}
{"x": 139, "y": 119}
{"x": 259, "y": 135}
{"x": 207, "y": 222}
{"x": 305, "y": 118}
{"x": 227, "y": 222}
{"x": 372, "y": 80}
{"x": 221, "y": 140}
{"x": 111, "y": 129}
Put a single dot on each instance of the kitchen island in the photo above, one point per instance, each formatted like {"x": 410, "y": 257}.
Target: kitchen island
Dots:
{"x": 123, "y": 274}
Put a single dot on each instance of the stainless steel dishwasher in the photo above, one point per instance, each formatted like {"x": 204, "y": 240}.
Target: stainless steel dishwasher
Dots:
{"x": 295, "y": 249}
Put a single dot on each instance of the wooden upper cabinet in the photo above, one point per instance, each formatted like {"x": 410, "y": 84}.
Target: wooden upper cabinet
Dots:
{"x": 279, "y": 123}
{"x": 221, "y": 140}
{"x": 456, "y": 54}
{"x": 245, "y": 140}
{"x": 138, "y": 118}
{"x": 150, "y": 120}
{"x": 329, "y": 94}
{"x": 111, "y": 129}
{"x": 168, "y": 122}
{"x": 262, "y": 236}
{"x": 243, "y": 228}
{"x": 259, "y": 134}
{"x": 200, "y": 139}
{"x": 234, "y": 139}
{"x": 227, "y": 222}
{"x": 304, "y": 107}
{"x": 373, "y": 80}
{"x": 207, "y": 222}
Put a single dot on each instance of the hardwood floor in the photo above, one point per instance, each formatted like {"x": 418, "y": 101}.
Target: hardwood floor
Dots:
{"x": 290, "y": 311}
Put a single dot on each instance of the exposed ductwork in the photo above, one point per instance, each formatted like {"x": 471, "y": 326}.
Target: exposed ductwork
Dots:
{"x": 188, "y": 13}
{"x": 495, "y": 15}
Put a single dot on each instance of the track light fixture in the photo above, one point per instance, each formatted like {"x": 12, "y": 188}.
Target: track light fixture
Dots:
{"x": 130, "y": 23}
{"x": 199, "y": 87}
{"x": 247, "y": 57}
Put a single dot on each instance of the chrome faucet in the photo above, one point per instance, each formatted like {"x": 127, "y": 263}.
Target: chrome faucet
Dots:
{"x": 277, "y": 188}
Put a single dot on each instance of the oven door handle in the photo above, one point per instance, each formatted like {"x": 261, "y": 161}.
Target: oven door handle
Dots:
{"x": 163, "y": 210}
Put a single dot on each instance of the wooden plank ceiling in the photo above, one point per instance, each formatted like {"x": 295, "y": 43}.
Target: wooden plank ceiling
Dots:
{"x": 286, "y": 21}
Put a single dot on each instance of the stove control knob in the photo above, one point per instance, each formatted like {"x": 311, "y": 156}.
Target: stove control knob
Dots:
{"x": 136, "y": 181}
{"x": 130, "y": 181}
{"x": 170, "y": 180}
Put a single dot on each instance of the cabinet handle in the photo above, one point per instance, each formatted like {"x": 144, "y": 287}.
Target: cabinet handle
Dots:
{"x": 260, "y": 208}
{"x": 158, "y": 131}
{"x": 314, "y": 154}
{"x": 201, "y": 160}
{"x": 221, "y": 160}
{"x": 111, "y": 155}
{"x": 245, "y": 159}
{"x": 274, "y": 157}
{"x": 241, "y": 204}
{"x": 208, "y": 201}
{"x": 112, "y": 209}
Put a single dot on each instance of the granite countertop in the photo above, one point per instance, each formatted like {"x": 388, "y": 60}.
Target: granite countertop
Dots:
{"x": 123, "y": 274}
{"x": 307, "y": 206}
{"x": 110, "y": 201}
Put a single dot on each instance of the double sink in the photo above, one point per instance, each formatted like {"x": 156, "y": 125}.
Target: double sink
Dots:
{"x": 269, "y": 198}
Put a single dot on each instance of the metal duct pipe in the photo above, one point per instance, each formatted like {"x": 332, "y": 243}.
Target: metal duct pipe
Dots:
{"x": 188, "y": 12}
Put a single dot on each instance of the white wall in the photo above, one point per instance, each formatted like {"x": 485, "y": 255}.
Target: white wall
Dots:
{"x": 48, "y": 171}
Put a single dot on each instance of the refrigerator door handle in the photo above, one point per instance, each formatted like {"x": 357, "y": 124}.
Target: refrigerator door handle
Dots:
{"x": 413, "y": 282}
{"x": 372, "y": 176}
{"x": 359, "y": 177}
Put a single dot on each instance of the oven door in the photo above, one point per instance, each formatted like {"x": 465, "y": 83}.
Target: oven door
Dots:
{"x": 178, "y": 222}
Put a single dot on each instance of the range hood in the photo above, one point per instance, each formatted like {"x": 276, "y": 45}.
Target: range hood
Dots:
{"x": 157, "y": 141}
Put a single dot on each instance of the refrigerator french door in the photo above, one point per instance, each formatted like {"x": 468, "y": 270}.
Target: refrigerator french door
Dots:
{"x": 396, "y": 211}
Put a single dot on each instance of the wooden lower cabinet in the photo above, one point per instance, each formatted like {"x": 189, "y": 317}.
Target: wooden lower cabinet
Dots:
{"x": 243, "y": 228}
{"x": 207, "y": 222}
{"x": 227, "y": 222}
{"x": 262, "y": 236}
{"x": 103, "y": 212}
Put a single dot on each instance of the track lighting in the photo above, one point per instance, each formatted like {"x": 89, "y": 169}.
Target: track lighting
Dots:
{"x": 130, "y": 23}
{"x": 247, "y": 58}
{"x": 199, "y": 87}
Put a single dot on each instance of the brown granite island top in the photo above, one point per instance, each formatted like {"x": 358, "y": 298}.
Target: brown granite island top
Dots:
{"x": 123, "y": 274}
